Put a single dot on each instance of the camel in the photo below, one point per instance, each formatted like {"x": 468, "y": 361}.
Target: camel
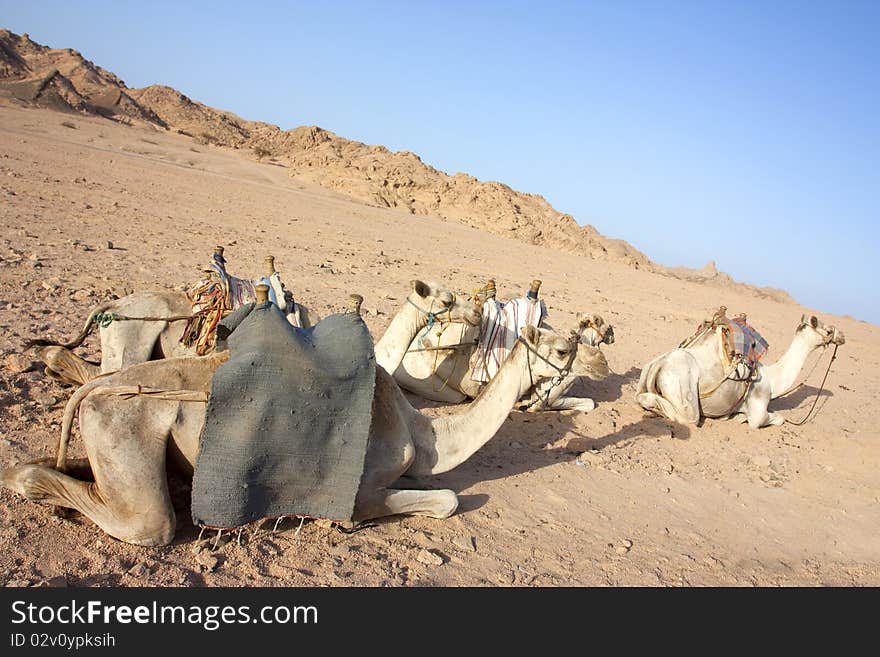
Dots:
{"x": 438, "y": 366}
{"x": 122, "y": 485}
{"x": 671, "y": 384}
{"x": 592, "y": 332}
{"x": 125, "y": 343}
{"x": 429, "y": 304}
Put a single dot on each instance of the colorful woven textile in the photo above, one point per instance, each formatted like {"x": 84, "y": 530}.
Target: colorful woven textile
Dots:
{"x": 501, "y": 326}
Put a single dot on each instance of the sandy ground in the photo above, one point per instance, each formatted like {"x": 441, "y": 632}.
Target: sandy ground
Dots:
{"x": 656, "y": 503}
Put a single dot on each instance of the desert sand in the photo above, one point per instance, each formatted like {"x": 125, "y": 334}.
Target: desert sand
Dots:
{"x": 650, "y": 503}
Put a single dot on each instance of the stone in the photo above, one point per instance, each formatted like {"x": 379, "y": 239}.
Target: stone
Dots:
{"x": 624, "y": 547}
{"x": 207, "y": 560}
{"x": 430, "y": 557}
{"x": 18, "y": 364}
{"x": 465, "y": 543}
{"x": 761, "y": 461}
{"x": 590, "y": 458}
{"x": 45, "y": 399}
{"x": 140, "y": 569}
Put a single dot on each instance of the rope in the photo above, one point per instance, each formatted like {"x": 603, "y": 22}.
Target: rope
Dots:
{"x": 105, "y": 319}
{"x": 128, "y": 392}
{"x": 437, "y": 358}
{"x": 821, "y": 388}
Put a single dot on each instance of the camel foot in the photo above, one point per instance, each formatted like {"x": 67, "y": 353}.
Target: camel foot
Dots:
{"x": 28, "y": 480}
{"x": 63, "y": 365}
{"x": 776, "y": 419}
{"x": 431, "y": 503}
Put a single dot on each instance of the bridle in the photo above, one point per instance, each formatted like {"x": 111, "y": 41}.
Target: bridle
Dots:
{"x": 563, "y": 372}
{"x": 431, "y": 315}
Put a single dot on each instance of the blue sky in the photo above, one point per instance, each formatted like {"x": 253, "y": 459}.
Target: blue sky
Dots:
{"x": 747, "y": 133}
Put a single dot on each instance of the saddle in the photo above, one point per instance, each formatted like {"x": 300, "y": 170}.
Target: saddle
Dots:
{"x": 220, "y": 293}
{"x": 740, "y": 342}
{"x": 287, "y": 422}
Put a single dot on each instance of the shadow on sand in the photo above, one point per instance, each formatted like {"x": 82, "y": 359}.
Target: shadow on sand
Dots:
{"x": 795, "y": 399}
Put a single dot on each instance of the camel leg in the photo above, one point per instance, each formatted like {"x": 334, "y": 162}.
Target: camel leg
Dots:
{"x": 129, "y": 497}
{"x": 121, "y": 518}
{"x": 663, "y": 407}
{"x": 78, "y": 468}
{"x": 584, "y": 404}
{"x": 382, "y": 503}
{"x": 67, "y": 367}
{"x": 757, "y": 412}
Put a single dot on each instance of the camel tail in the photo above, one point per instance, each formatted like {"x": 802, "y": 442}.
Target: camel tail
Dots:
{"x": 67, "y": 421}
{"x": 78, "y": 340}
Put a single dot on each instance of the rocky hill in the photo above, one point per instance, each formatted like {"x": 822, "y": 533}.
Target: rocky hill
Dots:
{"x": 63, "y": 80}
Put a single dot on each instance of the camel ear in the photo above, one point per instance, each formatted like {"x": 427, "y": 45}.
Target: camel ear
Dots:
{"x": 530, "y": 334}
{"x": 814, "y": 322}
{"x": 583, "y": 320}
{"x": 420, "y": 288}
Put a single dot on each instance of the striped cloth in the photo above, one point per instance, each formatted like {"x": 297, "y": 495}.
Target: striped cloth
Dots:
{"x": 745, "y": 341}
{"x": 501, "y": 327}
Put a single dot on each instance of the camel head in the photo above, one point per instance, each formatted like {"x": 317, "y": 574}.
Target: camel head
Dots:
{"x": 593, "y": 331}
{"x": 821, "y": 334}
{"x": 550, "y": 355}
{"x": 445, "y": 305}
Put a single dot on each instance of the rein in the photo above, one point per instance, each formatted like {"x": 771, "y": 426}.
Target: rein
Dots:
{"x": 555, "y": 381}
{"x": 105, "y": 319}
{"x": 807, "y": 418}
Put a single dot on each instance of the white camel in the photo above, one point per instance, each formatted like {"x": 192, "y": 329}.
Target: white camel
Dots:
{"x": 438, "y": 365}
{"x": 686, "y": 384}
{"x": 592, "y": 332}
{"x": 122, "y": 485}
{"x": 427, "y": 305}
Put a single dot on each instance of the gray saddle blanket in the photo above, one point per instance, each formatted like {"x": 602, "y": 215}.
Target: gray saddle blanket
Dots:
{"x": 287, "y": 422}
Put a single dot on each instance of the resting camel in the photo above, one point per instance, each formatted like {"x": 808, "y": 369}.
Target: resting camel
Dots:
{"x": 125, "y": 343}
{"x": 127, "y": 441}
{"x": 671, "y": 384}
{"x": 592, "y": 332}
{"x": 438, "y": 366}
{"x": 130, "y": 341}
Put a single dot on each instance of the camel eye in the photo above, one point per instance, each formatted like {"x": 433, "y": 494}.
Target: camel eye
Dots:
{"x": 562, "y": 353}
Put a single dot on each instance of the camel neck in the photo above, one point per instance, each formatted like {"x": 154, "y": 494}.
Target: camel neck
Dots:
{"x": 393, "y": 345}
{"x": 457, "y": 437}
{"x": 784, "y": 372}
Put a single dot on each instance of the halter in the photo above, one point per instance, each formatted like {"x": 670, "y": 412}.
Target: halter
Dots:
{"x": 556, "y": 380}
{"x": 430, "y": 314}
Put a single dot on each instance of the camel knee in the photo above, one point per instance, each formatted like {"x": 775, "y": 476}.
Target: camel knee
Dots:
{"x": 648, "y": 401}
{"x": 157, "y": 533}
{"x": 445, "y": 505}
